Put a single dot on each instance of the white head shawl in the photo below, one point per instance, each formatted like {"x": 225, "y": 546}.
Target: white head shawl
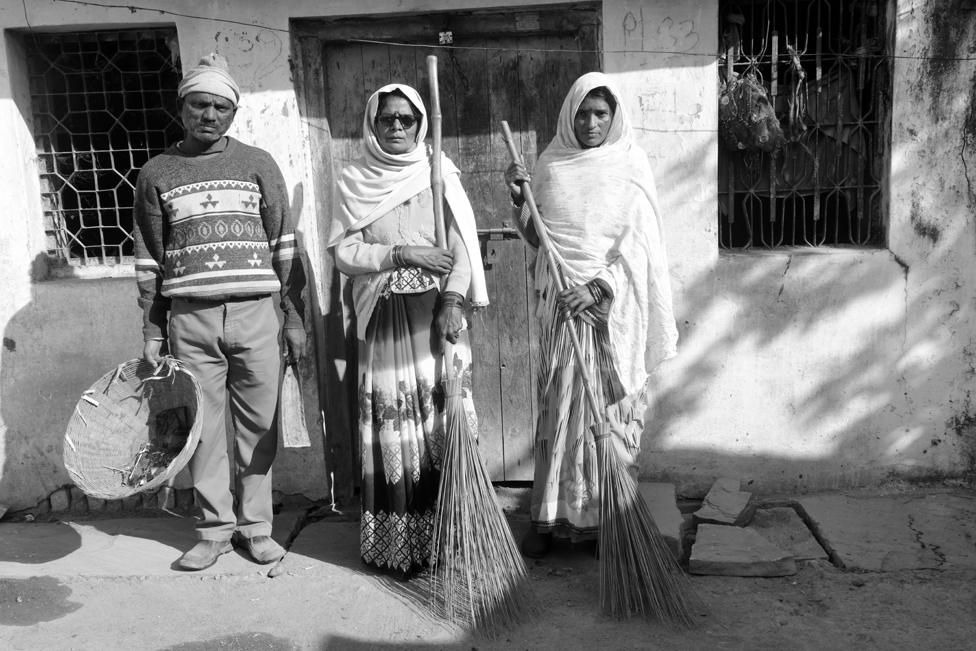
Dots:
{"x": 600, "y": 207}
{"x": 373, "y": 185}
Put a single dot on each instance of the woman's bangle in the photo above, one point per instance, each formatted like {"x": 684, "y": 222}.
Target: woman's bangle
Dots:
{"x": 397, "y": 256}
{"x": 452, "y": 299}
{"x": 595, "y": 291}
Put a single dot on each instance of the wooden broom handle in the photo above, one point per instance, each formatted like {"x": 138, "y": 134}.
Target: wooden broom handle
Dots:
{"x": 437, "y": 183}
{"x": 546, "y": 246}
{"x": 436, "y": 174}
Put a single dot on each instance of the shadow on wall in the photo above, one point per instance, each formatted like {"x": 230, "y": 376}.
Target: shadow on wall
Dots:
{"x": 54, "y": 347}
{"x": 804, "y": 370}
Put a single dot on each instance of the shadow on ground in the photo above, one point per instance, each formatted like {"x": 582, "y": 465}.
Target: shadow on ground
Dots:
{"x": 42, "y": 545}
{"x": 25, "y": 602}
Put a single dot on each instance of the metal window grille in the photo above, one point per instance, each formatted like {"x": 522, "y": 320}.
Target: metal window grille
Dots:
{"x": 103, "y": 104}
{"x": 825, "y": 67}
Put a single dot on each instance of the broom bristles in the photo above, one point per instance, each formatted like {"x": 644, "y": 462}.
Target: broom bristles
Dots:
{"x": 478, "y": 578}
{"x": 639, "y": 574}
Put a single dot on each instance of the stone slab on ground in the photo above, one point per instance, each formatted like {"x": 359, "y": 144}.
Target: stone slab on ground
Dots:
{"x": 917, "y": 530}
{"x": 725, "y": 503}
{"x": 115, "y": 547}
{"x": 783, "y": 527}
{"x": 735, "y": 551}
{"x": 662, "y": 502}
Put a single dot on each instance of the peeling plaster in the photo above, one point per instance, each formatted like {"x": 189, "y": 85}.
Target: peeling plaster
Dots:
{"x": 922, "y": 227}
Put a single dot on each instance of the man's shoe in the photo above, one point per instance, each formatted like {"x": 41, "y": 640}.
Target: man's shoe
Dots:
{"x": 262, "y": 548}
{"x": 204, "y": 554}
{"x": 535, "y": 544}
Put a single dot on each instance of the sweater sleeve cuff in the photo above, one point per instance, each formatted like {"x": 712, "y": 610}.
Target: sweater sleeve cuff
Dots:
{"x": 154, "y": 320}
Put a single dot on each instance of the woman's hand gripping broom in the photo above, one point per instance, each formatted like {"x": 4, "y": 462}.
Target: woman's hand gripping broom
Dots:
{"x": 638, "y": 572}
{"x": 478, "y": 578}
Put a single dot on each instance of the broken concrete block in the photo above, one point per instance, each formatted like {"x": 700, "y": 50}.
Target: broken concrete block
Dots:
{"x": 783, "y": 527}
{"x": 735, "y": 551}
{"x": 663, "y": 505}
{"x": 60, "y": 500}
{"x": 726, "y": 504}
{"x": 886, "y": 533}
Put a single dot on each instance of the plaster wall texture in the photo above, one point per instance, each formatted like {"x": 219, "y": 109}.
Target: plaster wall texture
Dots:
{"x": 797, "y": 369}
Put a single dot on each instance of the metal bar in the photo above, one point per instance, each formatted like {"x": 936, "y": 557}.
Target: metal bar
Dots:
{"x": 773, "y": 81}
{"x": 816, "y": 158}
{"x": 730, "y": 201}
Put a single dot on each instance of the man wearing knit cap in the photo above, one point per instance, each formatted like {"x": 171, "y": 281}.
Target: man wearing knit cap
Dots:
{"x": 215, "y": 250}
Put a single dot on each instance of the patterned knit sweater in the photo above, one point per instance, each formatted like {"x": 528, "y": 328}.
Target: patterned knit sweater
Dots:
{"x": 214, "y": 227}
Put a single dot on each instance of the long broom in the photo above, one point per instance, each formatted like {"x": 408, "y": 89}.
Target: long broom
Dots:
{"x": 639, "y": 574}
{"x": 478, "y": 578}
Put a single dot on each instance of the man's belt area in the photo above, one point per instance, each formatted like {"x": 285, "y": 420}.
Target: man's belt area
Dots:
{"x": 228, "y": 299}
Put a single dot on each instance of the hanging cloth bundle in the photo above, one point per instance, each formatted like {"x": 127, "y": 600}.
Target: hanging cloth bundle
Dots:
{"x": 746, "y": 117}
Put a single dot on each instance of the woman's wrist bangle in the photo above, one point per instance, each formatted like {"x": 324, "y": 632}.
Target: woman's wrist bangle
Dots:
{"x": 397, "y": 256}
{"x": 595, "y": 291}
{"x": 452, "y": 299}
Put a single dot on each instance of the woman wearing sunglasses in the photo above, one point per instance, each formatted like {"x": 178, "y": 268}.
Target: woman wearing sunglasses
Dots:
{"x": 384, "y": 238}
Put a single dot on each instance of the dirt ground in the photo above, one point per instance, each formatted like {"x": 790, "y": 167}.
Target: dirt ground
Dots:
{"x": 821, "y": 607}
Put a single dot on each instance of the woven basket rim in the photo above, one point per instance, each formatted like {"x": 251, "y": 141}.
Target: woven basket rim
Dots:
{"x": 77, "y": 423}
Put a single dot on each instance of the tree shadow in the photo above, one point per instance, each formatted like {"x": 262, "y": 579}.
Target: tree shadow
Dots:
{"x": 808, "y": 369}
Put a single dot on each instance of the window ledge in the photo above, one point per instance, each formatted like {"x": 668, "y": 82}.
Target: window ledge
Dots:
{"x": 60, "y": 272}
{"x": 803, "y": 250}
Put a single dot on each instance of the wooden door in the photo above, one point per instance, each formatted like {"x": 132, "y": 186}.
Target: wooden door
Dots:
{"x": 515, "y": 66}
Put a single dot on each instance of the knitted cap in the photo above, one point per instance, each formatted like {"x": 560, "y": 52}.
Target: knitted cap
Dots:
{"x": 210, "y": 76}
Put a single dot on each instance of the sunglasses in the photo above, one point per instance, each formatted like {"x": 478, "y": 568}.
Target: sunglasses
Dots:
{"x": 387, "y": 121}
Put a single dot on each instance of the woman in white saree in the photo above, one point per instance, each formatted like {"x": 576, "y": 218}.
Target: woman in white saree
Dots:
{"x": 595, "y": 192}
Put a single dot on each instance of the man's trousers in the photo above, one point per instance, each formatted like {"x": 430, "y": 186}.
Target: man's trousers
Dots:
{"x": 232, "y": 349}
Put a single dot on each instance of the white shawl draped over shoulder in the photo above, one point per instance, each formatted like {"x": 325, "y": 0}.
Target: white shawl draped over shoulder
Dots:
{"x": 600, "y": 208}
{"x": 379, "y": 181}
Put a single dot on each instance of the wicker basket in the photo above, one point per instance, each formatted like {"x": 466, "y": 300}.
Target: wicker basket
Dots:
{"x": 132, "y": 414}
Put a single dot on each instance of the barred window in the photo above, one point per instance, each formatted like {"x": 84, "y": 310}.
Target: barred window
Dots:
{"x": 103, "y": 104}
{"x": 804, "y": 121}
